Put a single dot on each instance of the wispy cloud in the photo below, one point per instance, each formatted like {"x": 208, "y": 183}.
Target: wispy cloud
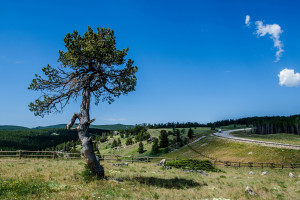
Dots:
{"x": 247, "y": 20}
{"x": 114, "y": 119}
{"x": 274, "y": 30}
{"x": 288, "y": 77}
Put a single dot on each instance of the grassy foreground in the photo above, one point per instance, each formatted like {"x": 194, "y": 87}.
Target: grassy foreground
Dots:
{"x": 62, "y": 179}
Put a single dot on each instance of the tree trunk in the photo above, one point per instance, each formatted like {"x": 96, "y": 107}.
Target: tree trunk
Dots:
{"x": 87, "y": 144}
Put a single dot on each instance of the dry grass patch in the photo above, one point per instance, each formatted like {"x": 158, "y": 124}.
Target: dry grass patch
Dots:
{"x": 63, "y": 180}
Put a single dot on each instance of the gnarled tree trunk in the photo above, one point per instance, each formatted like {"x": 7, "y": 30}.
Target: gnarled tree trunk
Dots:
{"x": 86, "y": 141}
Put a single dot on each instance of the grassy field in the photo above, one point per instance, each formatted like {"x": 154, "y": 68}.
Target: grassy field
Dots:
{"x": 131, "y": 150}
{"x": 283, "y": 138}
{"x": 228, "y": 150}
{"x": 62, "y": 179}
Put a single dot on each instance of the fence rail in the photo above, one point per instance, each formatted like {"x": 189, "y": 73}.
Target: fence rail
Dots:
{"x": 64, "y": 155}
{"x": 103, "y": 157}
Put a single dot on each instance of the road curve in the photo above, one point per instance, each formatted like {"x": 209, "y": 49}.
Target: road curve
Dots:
{"x": 227, "y": 135}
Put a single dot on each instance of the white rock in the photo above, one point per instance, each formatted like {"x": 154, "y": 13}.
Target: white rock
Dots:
{"x": 248, "y": 190}
{"x": 250, "y": 153}
{"x": 291, "y": 175}
{"x": 162, "y": 162}
{"x": 264, "y": 173}
{"x": 251, "y": 172}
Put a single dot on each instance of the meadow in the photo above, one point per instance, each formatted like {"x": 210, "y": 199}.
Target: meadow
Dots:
{"x": 64, "y": 179}
{"x": 283, "y": 138}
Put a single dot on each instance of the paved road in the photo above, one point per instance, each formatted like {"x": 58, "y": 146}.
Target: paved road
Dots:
{"x": 227, "y": 135}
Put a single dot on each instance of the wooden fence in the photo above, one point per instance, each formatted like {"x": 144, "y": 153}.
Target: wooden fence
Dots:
{"x": 105, "y": 157}
{"x": 65, "y": 155}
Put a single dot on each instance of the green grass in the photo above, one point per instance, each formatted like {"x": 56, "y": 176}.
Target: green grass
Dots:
{"x": 283, "y": 138}
{"x": 62, "y": 179}
{"x": 131, "y": 150}
{"x": 228, "y": 150}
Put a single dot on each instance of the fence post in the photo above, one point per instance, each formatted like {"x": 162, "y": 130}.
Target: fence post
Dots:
{"x": 262, "y": 165}
{"x": 131, "y": 159}
{"x": 215, "y": 163}
{"x": 239, "y": 164}
{"x": 19, "y": 154}
{"x": 147, "y": 159}
{"x": 282, "y": 166}
{"x": 117, "y": 158}
{"x": 103, "y": 157}
{"x": 53, "y": 155}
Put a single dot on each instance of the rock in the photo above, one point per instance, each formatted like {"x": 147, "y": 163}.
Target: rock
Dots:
{"x": 250, "y": 153}
{"x": 117, "y": 179}
{"x": 204, "y": 144}
{"x": 251, "y": 172}
{"x": 167, "y": 167}
{"x": 264, "y": 173}
{"x": 202, "y": 172}
{"x": 248, "y": 190}
{"x": 195, "y": 171}
{"x": 120, "y": 164}
{"x": 291, "y": 175}
{"x": 162, "y": 162}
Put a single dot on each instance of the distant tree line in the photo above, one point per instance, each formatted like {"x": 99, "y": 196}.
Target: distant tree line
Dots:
{"x": 175, "y": 125}
{"x": 38, "y": 139}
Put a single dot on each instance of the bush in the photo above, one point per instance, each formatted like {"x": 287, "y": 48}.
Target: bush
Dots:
{"x": 193, "y": 164}
{"x": 141, "y": 147}
{"x": 155, "y": 149}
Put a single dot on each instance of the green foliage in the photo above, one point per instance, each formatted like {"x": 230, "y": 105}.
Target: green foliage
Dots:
{"x": 190, "y": 133}
{"x": 141, "y": 136}
{"x": 92, "y": 60}
{"x": 193, "y": 164}
{"x": 114, "y": 144}
{"x": 129, "y": 141}
{"x": 164, "y": 141}
{"x": 119, "y": 142}
{"x": 155, "y": 148}
{"x": 39, "y": 139}
{"x": 87, "y": 175}
{"x": 141, "y": 147}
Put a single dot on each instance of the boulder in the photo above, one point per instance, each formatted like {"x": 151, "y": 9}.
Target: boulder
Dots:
{"x": 264, "y": 173}
{"x": 162, "y": 162}
{"x": 251, "y": 172}
{"x": 291, "y": 175}
{"x": 167, "y": 167}
{"x": 248, "y": 190}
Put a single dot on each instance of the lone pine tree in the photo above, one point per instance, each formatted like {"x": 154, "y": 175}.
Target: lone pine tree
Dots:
{"x": 91, "y": 66}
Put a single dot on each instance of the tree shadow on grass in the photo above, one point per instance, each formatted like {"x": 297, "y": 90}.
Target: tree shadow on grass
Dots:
{"x": 174, "y": 183}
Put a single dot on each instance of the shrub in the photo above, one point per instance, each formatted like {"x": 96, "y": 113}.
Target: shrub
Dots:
{"x": 155, "y": 149}
{"x": 193, "y": 164}
{"x": 141, "y": 147}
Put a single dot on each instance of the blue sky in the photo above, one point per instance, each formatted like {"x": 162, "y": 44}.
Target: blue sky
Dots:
{"x": 198, "y": 60}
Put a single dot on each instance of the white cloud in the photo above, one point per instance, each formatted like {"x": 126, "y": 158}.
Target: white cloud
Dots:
{"x": 274, "y": 30}
{"x": 247, "y": 20}
{"x": 114, "y": 119}
{"x": 288, "y": 77}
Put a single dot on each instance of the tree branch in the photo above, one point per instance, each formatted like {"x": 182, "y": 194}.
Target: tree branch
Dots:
{"x": 73, "y": 119}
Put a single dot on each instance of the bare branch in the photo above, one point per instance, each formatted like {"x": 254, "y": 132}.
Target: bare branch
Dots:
{"x": 73, "y": 119}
